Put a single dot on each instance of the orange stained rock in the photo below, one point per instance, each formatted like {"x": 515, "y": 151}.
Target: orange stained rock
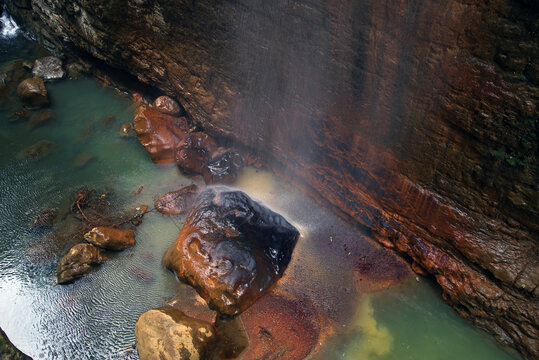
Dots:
{"x": 159, "y": 133}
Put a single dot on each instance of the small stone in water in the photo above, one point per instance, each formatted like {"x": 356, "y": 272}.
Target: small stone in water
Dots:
{"x": 224, "y": 169}
{"x": 33, "y": 93}
{"x": 126, "y": 130}
{"x": 19, "y": 114}
{"x": 80, "y": 259}
{"x": 110, "y": 238}
{"x": 177, "y": 202}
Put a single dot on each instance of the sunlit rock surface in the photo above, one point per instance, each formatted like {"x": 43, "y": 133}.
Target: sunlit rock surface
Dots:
{"x": 415, "y": 119}
{"x": 231, "y": 249}
{"x": 168, "y": 334}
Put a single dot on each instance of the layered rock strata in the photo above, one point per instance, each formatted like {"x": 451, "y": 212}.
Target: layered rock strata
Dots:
{"x": 415, "y": 119}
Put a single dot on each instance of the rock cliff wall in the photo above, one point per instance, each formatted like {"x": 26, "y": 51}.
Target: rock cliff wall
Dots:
{"x": 417, "y": 119}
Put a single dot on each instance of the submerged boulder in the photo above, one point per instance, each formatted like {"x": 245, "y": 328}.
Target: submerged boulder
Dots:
{"x": 19, "y": 114}
{"x": 159, "y": 133}
{"x": 38, "y": 150}
{"x": 194, "y": 151}
{"x": 42, "y": 118}
{"x": 231, "y": 249}
{"x": 110, "y": 238}
{"x": 177, "y": 202}
{"x": 223, "y": 169}
{"x": 80, "y": 259}
{"x": 33, "y": 93}
{"x": 166, "y": 105}
{"x": 44, "y": 219}
{"x": 167, "y": 333}
{"x": 48, "y": 68}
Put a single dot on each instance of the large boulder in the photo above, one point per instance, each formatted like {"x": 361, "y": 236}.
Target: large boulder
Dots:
{"x": 167, "y": 333}
{"x": 166, "y": 105}
{"x": 231, "y": 249}
{"x": 194, "y": 151}
{"x": 177, "y": 202}
{"x": 159, "y": 133}
{"x": 110, "y": 238}
{"x": 80, "y": 259}
{"x": 48, "y": 68}
{"x": 33, "y": 93}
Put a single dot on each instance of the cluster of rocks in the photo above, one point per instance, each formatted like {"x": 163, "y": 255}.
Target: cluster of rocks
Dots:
{"x": 168, "y": 137}
{"x": 231, "y": 250}
{"x": 84, "y": 257}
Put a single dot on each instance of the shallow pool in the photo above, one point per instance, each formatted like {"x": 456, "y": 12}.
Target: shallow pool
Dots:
{"x": 371, "y": 306}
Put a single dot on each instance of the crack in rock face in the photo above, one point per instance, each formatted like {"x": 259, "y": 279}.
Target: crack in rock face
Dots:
{"x": 231, "y": 249}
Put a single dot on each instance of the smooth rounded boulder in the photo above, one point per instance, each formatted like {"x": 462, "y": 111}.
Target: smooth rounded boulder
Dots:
{"x": 177, "y": 202}
{"x": 110, "y": 238}
{"x": 79, "y": 260}
{"x": 33, "y": 93}
{"x": 166, "y": 105}
{"x": 167, "y": 333}
{"x": 194, "y": 151}
{"x": 231, "y": 249}
{"x": 223, "y": 169}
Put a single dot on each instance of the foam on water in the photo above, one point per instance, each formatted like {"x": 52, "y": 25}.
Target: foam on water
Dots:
{"x": 9, "y": 28}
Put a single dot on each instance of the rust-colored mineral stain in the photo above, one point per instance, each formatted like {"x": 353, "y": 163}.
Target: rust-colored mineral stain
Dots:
{"x": 159, "y": 133}
{"x": 280, "y": 328}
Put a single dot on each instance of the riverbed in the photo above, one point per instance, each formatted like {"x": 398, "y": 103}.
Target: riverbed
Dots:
{"x": 366, "y": 301}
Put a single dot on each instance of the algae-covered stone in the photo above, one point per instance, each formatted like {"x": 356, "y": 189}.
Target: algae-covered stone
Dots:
{"x": 80, "y": 259}
{"x": 167, "y": 333}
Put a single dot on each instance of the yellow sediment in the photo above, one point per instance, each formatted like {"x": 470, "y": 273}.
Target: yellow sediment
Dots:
{"x": 374, "y": 340}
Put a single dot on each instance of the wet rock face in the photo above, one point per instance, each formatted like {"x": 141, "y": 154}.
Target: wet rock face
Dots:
{"x": 231, "y": 249}
{"x": 415, "y": 119}
{"x": 168, "y": 334}
{"x": 80, "y": 259}
{"x": 110, "y": 238}
{"x": 33, "y": 93}
{"x": 194, "y": 151}
{"x": 159, "y": 133}
{"x": 177, "y": 202}
{"x": 48, "y": 68}
{"x": 223, "y": 169}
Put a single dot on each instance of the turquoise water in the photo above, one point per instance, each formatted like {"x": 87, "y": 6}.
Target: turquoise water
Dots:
{"x": 94, "y": 317}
